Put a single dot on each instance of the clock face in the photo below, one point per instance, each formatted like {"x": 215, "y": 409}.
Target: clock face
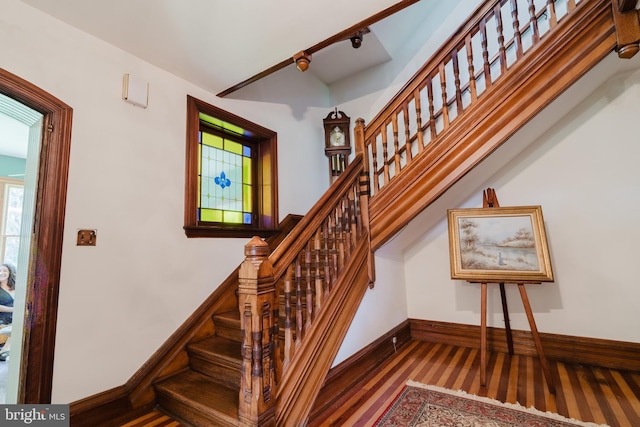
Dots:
{"x": 336, "y": 137}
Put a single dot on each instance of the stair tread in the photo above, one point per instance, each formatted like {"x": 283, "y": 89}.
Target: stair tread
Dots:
{"x": 232, "y": 316}
{"x": 219, "y": 346}
{"x": 201, "y": 393}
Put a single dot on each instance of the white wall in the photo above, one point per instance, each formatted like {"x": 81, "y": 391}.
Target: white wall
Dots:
{"x": 583, "y": 172}
{"x": 573, "y": 305}
{"x": 382, "y": 308}
{"x": 119, "y": 301}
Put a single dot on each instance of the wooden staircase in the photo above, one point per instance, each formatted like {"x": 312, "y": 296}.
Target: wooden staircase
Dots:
{"x": 267, "y": 366}
{"x": 206, "y": 393}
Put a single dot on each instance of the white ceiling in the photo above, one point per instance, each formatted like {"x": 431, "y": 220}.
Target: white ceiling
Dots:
{"x": 14, "y": 137}
{"x": 217, "y": 44}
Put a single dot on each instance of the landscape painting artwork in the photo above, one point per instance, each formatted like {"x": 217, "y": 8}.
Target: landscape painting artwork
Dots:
{"x": 499, "y": 245}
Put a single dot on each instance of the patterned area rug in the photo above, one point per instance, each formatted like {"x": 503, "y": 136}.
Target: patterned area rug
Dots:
{"x": 420, "y": 405}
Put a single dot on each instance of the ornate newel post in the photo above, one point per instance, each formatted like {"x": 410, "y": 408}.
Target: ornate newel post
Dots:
{"x": 258, "y": 321}
{"x": 364, "y": 192}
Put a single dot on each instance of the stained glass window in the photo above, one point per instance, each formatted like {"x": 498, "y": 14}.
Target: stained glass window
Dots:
{"x": 226, "y": 177}
{"x": 231, "y": 184}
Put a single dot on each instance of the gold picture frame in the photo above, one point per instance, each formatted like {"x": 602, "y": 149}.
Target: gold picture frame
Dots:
{"x": 499, "y": 245}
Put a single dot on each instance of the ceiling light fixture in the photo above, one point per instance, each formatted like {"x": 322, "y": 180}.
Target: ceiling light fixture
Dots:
{"x": 356, "y": 41}
{"x": 302, "y": 60}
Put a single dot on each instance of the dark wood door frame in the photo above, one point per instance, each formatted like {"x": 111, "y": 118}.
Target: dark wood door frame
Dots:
{"x": 46, "y": 241}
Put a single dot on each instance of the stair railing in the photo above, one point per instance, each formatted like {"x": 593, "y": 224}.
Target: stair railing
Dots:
{"x": 301, "y": 275}
{"x": 495, "y": 38}
{"x": 336, "y": 236}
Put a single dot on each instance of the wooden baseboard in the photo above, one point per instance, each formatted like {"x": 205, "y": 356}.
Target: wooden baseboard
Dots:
{"x": 109, "y": 408}
{"x": 338, "y": 384}
{"x": 569, "y": 349}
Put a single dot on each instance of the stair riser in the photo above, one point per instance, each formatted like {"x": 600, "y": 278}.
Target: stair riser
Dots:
{"x": 229, "y": 330}
{"x": 193, "y": 416}
{"x": 228, "y": 375}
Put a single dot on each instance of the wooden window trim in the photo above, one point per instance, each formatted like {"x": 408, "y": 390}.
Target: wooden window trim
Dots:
{"x": 5, "y": 183}
{"x": 266, "y": 206}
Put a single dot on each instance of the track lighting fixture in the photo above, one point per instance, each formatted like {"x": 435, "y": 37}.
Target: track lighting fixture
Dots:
{"x": 356, "y": 41}
{"x": 302, "y": 60}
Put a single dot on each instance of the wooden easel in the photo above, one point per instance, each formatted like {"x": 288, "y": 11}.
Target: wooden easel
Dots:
{"x": 490, "y": 200}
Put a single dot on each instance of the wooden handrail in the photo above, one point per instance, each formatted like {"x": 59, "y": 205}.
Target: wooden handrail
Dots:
{"x": 300, "y": 384}
{"x": 285, "y": 253}
{"x": 494, "y": 39}
{"x": 424, "y": 142}
{"x": 321, "y": 269}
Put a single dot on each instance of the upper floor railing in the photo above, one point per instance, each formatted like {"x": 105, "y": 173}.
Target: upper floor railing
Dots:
{"x": 494, "y": 39}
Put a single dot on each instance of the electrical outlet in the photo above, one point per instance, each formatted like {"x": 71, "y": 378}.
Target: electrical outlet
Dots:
{"x": 87, "y": 237}
{"x": 394, "y": 340}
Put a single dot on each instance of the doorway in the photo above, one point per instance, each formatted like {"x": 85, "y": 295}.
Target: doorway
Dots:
{"x": 20, "y": 136}
{"x": 45, "y": 233}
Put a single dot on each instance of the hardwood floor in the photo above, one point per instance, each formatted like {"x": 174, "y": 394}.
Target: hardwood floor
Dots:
{"x": 153, "y": 418}
{"x": 599, "y": 395}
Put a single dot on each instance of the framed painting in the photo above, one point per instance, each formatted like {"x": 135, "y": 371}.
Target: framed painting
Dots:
{"x": 499, "y": 245}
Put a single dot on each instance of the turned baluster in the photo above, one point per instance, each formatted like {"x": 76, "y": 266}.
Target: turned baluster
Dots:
{"x": 346, "y": 226}
{"x": 385, "y": 156}
{"x": 502, "y": 53}
{"x": 396, "y": 143}
{"x": 334, "y": 246}
{"x": 274, "y": 341}
{"x": 326, "y": 252}
{"x": 299, "y": 312}
{"x": 533, "y": 20}
{"x": 418, "y": 105}
{"x": 551, "y": 10}
{"x": 354, "y": 221}
{"x": 485, "y": 53}
{"x": 339, "y": 237}
{"x": 456, "y": 81}
{"x": 308, "y": 290}
{"x": 319, "y": 299}
{"x": 517, "y": 36}
{"x": 289, "y": 323}
{"x": 407, "y": 133}
{"x": 472, "y": 73}
{"x": 373, "y": 144}
{"x": 445, "y": 100}
{"x": 432, "y": 112}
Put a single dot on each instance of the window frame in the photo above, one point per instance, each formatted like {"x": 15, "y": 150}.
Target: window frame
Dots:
{"x": 265, "y": 208}
{"x": 6, "y": 183}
